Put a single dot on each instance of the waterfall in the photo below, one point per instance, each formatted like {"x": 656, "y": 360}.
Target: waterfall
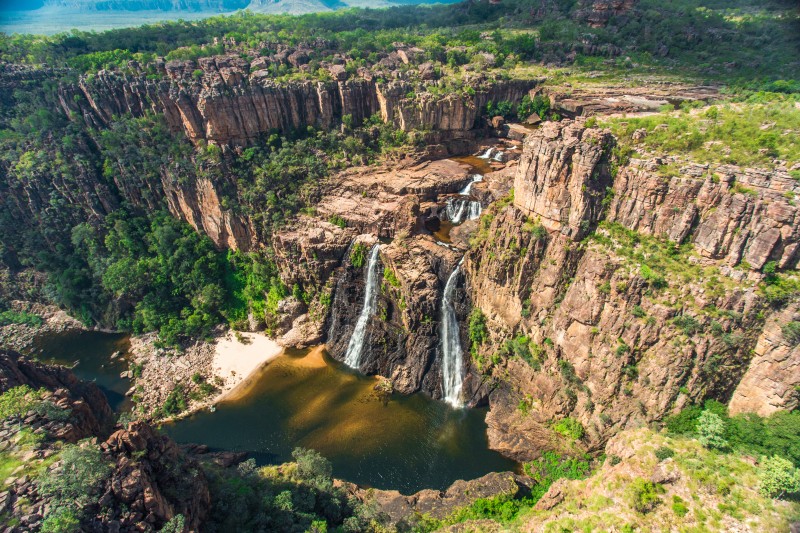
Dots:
{"x": 356, "y": 345}
{"x": 451, "y": 344}
{"x": 468, "y": 188}
{"x": 458, "y": 210}
{"x": 489, "y": 153}
{"x": 474, "y": 210}
{"x": 455, "y": 210}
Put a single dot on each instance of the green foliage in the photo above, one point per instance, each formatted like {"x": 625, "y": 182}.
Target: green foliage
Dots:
{"x": 791, "y": 332}
{"x": 679, "y": 506}
{"x": 337, "y": 220}
{"x": 174, "y": 404}
{"x": 664, "y": 452}
{"x": 539, "y": 104}
{"x": 524, "y": 348}
{"x": 478, "y": 332}
{"x": 391, "y": 277}
{"x": 711, "y": 431}
{"x": 177, "y": 524}
{"x": 358, "y": 255}
{"x": 642, "y": 495}
{"x": 778, "y": 477}
{"x": 570, "y": 428}
{"x": 60, "y": 519}
{"x": 77, "y": 484}
{"x": 733, "y": 134}
{"x": 23, "y": 317}
{"x": 503, "y": 108}
{"x": 778, "y": 434}
{"x": 17, "y": 401}
{"x": 290, "y": 498}
{"x": 312, "y": 467}
{"x": 688, "y": 324}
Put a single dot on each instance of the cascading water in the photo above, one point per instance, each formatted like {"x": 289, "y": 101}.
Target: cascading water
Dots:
{"x": 356, "y": 345}
{"x": 474, "y": 211}
{"x": 452, "y": 371}
{"x": 457, "y": 209}
{"x": 468, "y": 188}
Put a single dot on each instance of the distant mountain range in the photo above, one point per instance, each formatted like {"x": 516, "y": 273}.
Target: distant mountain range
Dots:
{"x": 91, "y": 6}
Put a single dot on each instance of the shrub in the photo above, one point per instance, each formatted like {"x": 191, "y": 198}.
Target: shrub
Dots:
{"x": 358, "y": 255}
{"x": 791, "y": 333}
{"x": 688, "y": 324}
{"x": 313, "y": 467}
{"x": 663, "y": 453}
{"x": 569, "y": 427}
{"x": 174, "y": 404}
{"x": 642, "y": 495}
{"x": 778, "y": 477}
{"x": 711, "y": 431}
{"x": 391, "y": 277}
{"x": 60, "y": 520}
{"x": 478, "y": 332}
{"x": 679, "y": 507}
{"x": 23, "y": 318}
{"x": 78, "y": 482}
{"x": 337, "y": 220}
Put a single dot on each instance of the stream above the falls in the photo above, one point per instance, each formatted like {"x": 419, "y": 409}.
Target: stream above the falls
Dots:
{"x": 305, "y": 398}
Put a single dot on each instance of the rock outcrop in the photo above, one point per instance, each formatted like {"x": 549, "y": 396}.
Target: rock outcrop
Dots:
{"x": 229, "y": 101}
{"x": 90, "y": 414}
{"x": 150, "y": 481}
{"x": 773, "y": 377}
{"x": 628, "y": 325}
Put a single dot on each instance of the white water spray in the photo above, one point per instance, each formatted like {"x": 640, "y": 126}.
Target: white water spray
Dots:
{"x": 468, "y": 188}
{"x": 452, "y": 371}
{"x": 356, "y": 345}
{"x": 458, "y": 210}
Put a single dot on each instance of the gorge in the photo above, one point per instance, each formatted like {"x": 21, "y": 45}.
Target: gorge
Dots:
{"x": 508, "y": 277}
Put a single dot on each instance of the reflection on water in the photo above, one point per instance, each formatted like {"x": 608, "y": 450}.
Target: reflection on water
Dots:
{"x": 307, "y": 399}
{"x": 481, "y": 166}
{"x": 92, "y": 351}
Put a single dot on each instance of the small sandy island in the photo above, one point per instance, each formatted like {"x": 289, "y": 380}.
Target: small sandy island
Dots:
{"x": 238, "y": 355}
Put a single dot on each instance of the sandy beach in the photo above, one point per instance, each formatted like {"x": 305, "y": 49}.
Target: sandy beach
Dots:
{"x": 237, "y": 356}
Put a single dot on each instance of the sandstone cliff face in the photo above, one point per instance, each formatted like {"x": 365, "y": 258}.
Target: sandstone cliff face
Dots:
{"x": 233, "y": 103}
{"x": 728, "y": 213}
{"x": 771, "y": 382}
{"x": 616, "y": 343}
{"x": 569, "y": 167}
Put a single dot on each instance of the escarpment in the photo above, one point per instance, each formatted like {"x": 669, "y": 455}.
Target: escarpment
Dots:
{"x": 229, "y": 101}
{"x": 656, "y": 308}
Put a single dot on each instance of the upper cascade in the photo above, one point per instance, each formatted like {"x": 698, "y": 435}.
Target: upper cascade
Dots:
{"x": 356, "y": 346}
{"x": 452, "y": 365}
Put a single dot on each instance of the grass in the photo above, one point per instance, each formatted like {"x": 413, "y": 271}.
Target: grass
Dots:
{"x": 754, "y": 132}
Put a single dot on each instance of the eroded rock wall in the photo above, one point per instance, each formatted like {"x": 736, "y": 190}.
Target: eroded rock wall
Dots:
{"x": 223, "y": 100}
{"x": 615, "y": 343}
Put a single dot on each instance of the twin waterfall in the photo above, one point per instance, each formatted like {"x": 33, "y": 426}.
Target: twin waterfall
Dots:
{"x": 356, "y": 345}
{"x": 450, "y": 341}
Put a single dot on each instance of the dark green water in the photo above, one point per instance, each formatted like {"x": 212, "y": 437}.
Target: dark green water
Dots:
{"x": 307, "y": 399}
{"x": 92, "y": 351}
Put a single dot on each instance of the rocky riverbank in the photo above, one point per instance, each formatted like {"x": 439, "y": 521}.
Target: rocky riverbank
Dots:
{"x": 196, "y": 377}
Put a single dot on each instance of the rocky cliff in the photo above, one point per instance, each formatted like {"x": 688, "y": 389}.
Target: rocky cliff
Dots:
{"x": 655, "y": 308}
{"x": 150, "y": 479}
{"x": 230, "y": 101}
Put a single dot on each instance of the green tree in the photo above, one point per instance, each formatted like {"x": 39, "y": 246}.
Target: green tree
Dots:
{"x": 711, "y": 431}
{"x": 778, "y": 477}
